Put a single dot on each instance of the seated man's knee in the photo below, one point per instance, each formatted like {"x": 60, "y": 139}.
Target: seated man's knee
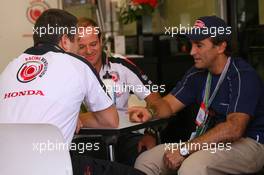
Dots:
{"x": 197, "y": 163}
{"x": 142, "y": 160}
{"x": 188, "y": 167}
{"x": 151, "y": 161}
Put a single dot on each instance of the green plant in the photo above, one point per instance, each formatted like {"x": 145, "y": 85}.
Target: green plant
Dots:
{"x": 131, "y": 10}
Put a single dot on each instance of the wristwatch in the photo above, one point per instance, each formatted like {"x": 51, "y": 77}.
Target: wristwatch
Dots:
{"x": 184, "y": 152}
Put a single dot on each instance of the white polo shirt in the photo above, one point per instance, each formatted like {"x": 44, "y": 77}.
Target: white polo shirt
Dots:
{"x": 128, "y": 79}
{"x": 47, "y": 85}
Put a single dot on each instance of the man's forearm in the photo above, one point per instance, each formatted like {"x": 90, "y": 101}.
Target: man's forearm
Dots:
{"x": 161, "y": 109}
{"x": 157, "y": 106}
{"x": 167, "y": 106}
{"x": 107, "y": 118}
{"x": 89, "y": 120}
{"x": 228, "y": 131}
{"x": 220, "y": 133}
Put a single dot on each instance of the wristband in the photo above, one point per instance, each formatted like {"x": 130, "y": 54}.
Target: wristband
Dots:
{"x": 152, "y": 112}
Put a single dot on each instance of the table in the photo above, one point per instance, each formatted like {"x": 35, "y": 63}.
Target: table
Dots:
{"x": 125, "y": 126}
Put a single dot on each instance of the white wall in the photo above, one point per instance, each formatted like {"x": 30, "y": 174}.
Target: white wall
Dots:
{"x": 14, "y": 25}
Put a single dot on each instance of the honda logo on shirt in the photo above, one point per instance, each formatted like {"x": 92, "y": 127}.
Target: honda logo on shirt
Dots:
{"x": 23, "y": 93}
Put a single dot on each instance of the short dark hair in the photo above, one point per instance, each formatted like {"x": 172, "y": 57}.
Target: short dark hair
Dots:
{"x": 86, "y": 22}
{"x": 56, "y": 19}
{"x": 217, "y": 41}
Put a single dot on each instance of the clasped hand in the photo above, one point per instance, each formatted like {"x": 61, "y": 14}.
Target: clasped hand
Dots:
{"x": 138, "y": 114}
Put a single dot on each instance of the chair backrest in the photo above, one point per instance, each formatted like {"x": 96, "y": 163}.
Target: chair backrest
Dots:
{"x": 33, "y": 149}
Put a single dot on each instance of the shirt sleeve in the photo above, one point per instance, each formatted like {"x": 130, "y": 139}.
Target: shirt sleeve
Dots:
{"x": 95, "y": 95}
{"x": 245, "y": 92}
{"x": 186, "y": 89}
{"x": 138, "y": 82}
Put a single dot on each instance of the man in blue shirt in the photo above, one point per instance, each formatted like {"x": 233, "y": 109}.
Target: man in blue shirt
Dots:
{"x": 229, "y": 137}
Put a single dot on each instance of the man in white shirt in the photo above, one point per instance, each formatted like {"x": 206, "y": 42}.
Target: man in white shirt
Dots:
{"x": 125, "y": 75}
{"x": 48, "y": 83}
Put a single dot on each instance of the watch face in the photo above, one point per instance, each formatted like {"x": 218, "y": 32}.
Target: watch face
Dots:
{"x": 184, "y": 151}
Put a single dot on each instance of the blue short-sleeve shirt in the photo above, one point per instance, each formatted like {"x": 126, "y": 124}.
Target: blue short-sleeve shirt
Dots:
{"x": 241, "y": 91}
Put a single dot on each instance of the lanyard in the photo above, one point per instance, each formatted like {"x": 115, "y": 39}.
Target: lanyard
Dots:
{"x": 209, "y": 101}
{"x": 202, "y": 119}
{"x": 220, "y": 81}
{"x": 207, "y": 90}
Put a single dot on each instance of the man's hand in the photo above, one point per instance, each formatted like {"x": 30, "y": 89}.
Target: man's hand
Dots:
{"x": 147, "y": 141}
{"x": 79, "y": 125}
{"x": 173, "y": 160}
{"x": 139, "y": 114}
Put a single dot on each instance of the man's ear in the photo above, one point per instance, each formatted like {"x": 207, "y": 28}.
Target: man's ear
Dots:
{"x": 101, "y": 40}
{"x": 222, "y": 47}
{"x": 65, "y": 42}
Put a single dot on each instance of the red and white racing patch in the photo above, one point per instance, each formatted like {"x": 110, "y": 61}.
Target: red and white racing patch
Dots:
{"x": 33, "y": 67}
